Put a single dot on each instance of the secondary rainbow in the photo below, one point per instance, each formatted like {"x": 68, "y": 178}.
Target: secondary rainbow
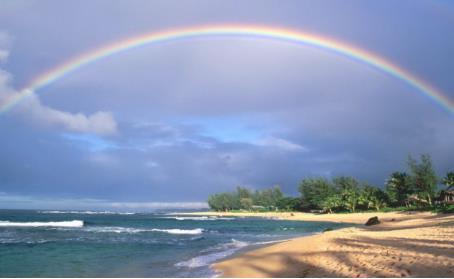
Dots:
{"x": 264, "y": 32}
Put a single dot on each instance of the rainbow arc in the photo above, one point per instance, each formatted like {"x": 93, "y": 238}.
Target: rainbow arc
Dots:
{"x": 266, "y": 32}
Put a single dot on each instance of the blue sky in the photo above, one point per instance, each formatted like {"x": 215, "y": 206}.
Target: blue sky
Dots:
{"x": 168, "y": 124}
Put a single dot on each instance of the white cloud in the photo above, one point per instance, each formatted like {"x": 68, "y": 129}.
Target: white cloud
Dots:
{"x": 101, "y": 122}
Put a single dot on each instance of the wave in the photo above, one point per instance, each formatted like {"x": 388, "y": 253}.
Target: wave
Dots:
{"x": 179, "y": 231}
{"x": 220, "y": 252}
{"x": 85, "y": 212}
{"x": 199, "y": 218}
{"x": 66, "y": 224}
{"x": 24, "y": 241}
{"x": 269, "y": 242}
{"x": 115, "y": 230}
{"x": 141, "y": 230}
{"x": 226, "y": 249}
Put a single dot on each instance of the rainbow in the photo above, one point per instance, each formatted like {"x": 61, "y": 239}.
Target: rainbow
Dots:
{"x": 265, "y": 32}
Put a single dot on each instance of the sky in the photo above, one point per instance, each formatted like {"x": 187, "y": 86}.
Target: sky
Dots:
{"x": 165, "y": 125}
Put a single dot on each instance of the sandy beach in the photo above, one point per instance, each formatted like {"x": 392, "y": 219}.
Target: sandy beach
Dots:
{"x": 353, "y": 218}
{"x": 403, "y": 245}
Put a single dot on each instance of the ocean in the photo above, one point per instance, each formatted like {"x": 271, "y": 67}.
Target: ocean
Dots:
{"x": 110, "y": 244}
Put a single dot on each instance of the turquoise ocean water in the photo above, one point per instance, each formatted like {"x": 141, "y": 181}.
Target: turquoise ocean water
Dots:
{"x": 108, "y": 244}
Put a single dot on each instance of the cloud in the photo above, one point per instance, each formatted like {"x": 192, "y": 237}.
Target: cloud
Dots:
{"x": 5, "y": 40}
{"x": 5, "y": 43}
{"x": 93, "y": 143}
{"x": 266, "y": 112}
{"x": 281, "y": 144}
{"x": 13, "y": 201}
{"x": 101, "y": 122}
{"x": 159, "y": 205}
{"x": 3, "y": 55}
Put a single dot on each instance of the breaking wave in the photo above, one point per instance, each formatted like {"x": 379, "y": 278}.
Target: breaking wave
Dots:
{"x": 141, "y": 230}
{"x": 200, "y": 218}
{"x": 220, "y": 252}
{"x": 115, "y": 230}
{"x": 179, "y": 231}
{"x": 223, "y": 251}
{"x": 85, "y": 212}
{"x": 66, "y": 224}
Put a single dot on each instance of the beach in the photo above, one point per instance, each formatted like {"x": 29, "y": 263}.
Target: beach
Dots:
{"x": 404, "y": 244}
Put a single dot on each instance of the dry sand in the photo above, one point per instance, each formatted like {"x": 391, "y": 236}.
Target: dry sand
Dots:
{"x": 403, "y": 245}
{"x": 354, "y": 218}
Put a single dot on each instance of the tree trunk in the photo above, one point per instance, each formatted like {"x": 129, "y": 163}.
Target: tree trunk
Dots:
{"x": 430, "y": 200}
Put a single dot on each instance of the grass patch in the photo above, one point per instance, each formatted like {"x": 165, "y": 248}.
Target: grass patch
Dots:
{"x": 444, "y": 209}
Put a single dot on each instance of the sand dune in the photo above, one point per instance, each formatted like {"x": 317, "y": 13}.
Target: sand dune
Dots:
{"x": 403, "y": 245}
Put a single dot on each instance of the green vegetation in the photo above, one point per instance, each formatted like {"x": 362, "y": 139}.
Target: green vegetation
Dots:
{"x": 243, "y": 198}
{"x": 423, "y": 177}
{"x": 315, "y": 190}
{"x": 449, "y": 180}
{"x": 398, "y": 187}
{"x": 340, "y": 194}
{"x": 415, "y": 190}
{"x": 444, "y": 209}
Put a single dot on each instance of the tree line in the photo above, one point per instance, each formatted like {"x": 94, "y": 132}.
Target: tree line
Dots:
{"x": 417, "y": 187}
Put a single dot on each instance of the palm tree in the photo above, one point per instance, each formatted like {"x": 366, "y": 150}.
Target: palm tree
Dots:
{"x": 449, "y": 181}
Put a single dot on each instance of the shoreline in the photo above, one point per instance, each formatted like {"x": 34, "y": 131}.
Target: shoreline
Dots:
{"x": 405, "y": 244}
{"x": 349, "y": 218}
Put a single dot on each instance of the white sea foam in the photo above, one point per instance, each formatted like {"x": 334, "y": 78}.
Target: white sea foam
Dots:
{"x": 179, "y": 231}
{"x": 220, "y": 252}
{"x": 199, "y": 218}
{"x": 67, "y": 224}
{"x": 269, "y": 242}
{"x": 115, "y": 230}
{"x": 141, "y": 230}
{"x": 85, "y": 212}
{"x": 224, "y": 250}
